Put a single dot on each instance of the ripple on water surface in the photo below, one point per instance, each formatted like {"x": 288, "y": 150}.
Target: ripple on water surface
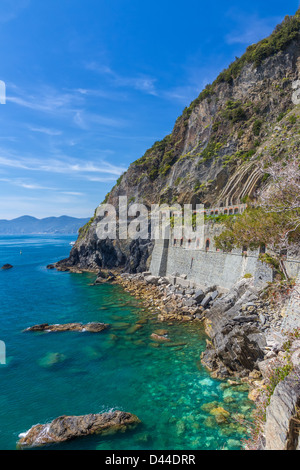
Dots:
{"x": 51, "y": 374}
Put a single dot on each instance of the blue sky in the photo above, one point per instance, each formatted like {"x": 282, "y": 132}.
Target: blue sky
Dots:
{"x": 90, "y": 85}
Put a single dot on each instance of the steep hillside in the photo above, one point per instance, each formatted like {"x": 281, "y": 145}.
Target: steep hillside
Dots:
{"x": 214, "y": 152}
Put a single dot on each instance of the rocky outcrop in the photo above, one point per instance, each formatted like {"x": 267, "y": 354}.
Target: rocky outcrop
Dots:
{"x": 282, "y": 429}
{"x": 104, "y": 276}
{"x": 66, "y": 428}
{"x": 237, "y": 342}
{"x": 93, "y": 327}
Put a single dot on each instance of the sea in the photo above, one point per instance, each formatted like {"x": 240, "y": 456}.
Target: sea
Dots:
{"x": 47, "y": 375}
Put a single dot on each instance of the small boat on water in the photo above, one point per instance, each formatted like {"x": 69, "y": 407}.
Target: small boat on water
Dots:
{"x": 72, "y": 243}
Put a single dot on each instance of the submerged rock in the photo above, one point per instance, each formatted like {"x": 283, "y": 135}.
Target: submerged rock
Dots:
{"x": 220, "y": 414}
{"x": 159, "y": 338}
{"x": 66, "y": 428}
{"x": 104, "y": 277}
{"x": 7, "y": 266}
{"x": 93, "y": 327}
{"x": 161, "y": 332}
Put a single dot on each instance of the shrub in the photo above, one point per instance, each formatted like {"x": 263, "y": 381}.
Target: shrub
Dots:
{"x": 257, "y": 127}
{"x": 292, "y": 119}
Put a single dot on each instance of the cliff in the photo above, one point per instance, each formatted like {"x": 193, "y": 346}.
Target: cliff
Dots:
{"x": 214, "y": 152}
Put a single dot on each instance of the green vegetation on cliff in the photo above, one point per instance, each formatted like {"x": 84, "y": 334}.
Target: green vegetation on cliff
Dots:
{"x": 160, "y": 158}
{"x": 255, "y": 54}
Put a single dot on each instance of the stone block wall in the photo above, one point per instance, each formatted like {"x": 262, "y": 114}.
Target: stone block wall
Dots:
{"x": 205, "y": 266}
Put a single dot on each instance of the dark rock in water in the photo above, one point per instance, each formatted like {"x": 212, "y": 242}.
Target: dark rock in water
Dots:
{"x": 66, "y": 428}
{"x": 159, "y": 338}
{"x": 104, "y": 276}
{"x": 7, "y": 266}
{"x": 50, "y": 266}
{"x": 161, "y": 332}
{"x": 93, "y": 327}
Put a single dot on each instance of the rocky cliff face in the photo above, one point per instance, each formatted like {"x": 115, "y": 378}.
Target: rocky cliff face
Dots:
{"x": 213, "y": 154}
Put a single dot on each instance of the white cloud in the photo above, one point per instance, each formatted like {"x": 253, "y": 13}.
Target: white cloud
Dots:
{"x": 140, "y": 82}
{"x": 46, "y": 99}
{"x": 45, "y": 130}
{"x": 26, "y": 185}
{"x": 67, "y": 166}
{"x": 72, "y": 193}
{"x": 69, "y": 105}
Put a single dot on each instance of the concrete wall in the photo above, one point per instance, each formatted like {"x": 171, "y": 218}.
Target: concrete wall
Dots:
{"x": 205, "y": 266}
{"x": 208, "y": 268}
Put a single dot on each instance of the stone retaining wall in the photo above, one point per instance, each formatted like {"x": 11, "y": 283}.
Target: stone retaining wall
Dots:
{"x": 207, "y": 268}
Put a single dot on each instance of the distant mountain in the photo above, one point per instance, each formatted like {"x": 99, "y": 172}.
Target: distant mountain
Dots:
{"x": 27, "y": 225}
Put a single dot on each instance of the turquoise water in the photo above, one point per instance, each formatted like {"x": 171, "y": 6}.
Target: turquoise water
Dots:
{"x": 48, "y": 375}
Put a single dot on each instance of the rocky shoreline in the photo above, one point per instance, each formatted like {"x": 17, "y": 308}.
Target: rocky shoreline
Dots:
{"x": 245, "y": 339}
{"x": 246, "y": 345}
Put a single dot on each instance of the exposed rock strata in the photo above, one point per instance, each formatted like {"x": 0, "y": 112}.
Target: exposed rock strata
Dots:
{"x": 282, "y": 429}
{"x": 212, "y": 155}
{"x": 66, "y": 428}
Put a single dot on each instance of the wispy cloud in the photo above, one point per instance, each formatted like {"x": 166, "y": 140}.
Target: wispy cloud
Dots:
{"x": 45, "y": 130}
{"x": 66, "y": 166}
{"x": 68, "y": 105}
{"x": 140, "y": 82}
{"x": 45, "y": 99}
{"x": 72, "y": 193}
{"x": 85, "y": 120}
{"x": 250, "y": 27}
{"x": 26, "y": 185}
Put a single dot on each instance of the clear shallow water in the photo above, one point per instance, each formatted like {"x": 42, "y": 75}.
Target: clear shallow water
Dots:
{"x": 48, "y": 375}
